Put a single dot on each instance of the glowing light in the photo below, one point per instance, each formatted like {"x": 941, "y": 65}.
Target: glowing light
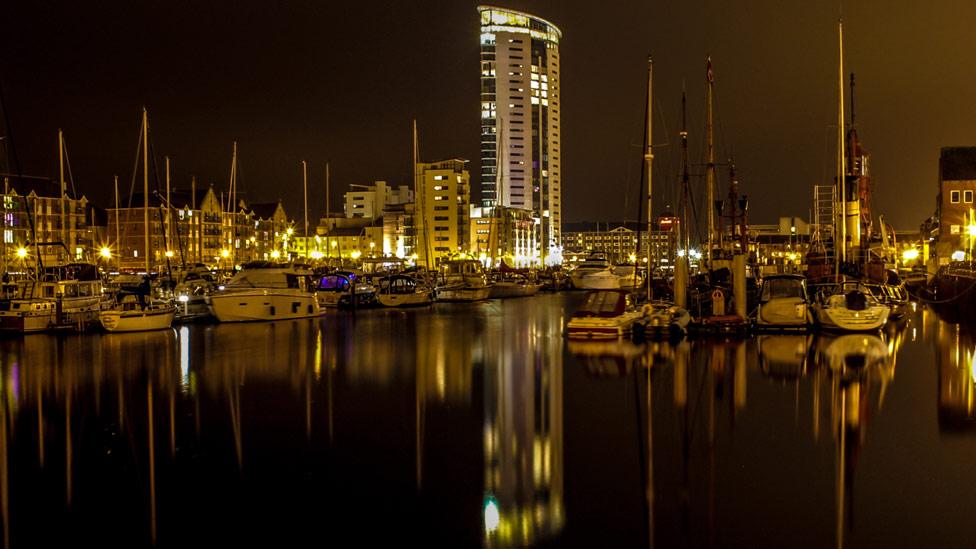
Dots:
{"x": 971, "y": 229}
{"x": 910, "y": 255}
{"x": 290, "y": 231}
{"x": 22, "y": 252}
{"x": 972, "y": 368}
{"x": 958, "y": 255}
{"x": 356, "y": 254}
{"x": 317, "y": 255}
{"x": 169, "y": 253}
{"x": 105, "y": 252}
{"x": 681, "y": 253}
{"x": 633, "y": 258}
{"x": 183, "y": 298}
{"x": 492, "y": 517}
{"x": 225, "y": 253}
{"x": 275, "y": 254}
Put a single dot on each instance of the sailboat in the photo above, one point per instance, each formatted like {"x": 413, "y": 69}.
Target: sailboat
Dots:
{"x": 139, "y": 313}
{"x": 847, "y": 306}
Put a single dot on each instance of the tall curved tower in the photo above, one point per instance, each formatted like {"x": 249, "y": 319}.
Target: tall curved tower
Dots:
{"x": 520, "y": 94}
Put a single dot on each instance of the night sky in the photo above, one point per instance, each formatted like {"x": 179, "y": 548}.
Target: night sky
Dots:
{"x": 341, "y": 82}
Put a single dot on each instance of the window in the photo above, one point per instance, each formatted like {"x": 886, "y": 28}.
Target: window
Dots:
{"x": 967, "y": 197}
{"x": 440, "y": 177}
{"x": 954, "y": 197}
{"x": 440, "y": 197}
{"x": 440, "y": 218}
{"x": 441, "y": 208}
{"x": 441, "y": 229}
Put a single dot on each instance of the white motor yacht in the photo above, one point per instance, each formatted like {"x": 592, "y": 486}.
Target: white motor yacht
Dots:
{"x": 595, "y": 273}
{"x": 265, "y": 292}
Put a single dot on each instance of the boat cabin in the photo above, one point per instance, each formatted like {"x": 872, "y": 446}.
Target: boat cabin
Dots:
{"x": 604, "y": 303}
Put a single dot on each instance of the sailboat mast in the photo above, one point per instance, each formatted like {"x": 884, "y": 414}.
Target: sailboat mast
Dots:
{"x": 648, "y": 162}
{"x": 64, "y": 221}
{"x": 684, "y": 228}
{"x": 419, "y": 191}
{"x": 305, "y": 194}
{"x": 118, "y": 238}
{"x": 841, "y": 179}
{"x": 232, "y": 203}
{"x": 710, "y": 167}
{"x": 168, "y": 221}
{"x": 145, "y": 183}
{"x": 328, "y": 205}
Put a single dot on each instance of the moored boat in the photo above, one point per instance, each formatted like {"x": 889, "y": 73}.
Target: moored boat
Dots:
{"x": 849, "y": 307}
{"x": 783, "y": 303}
{"x": 462, "y": 280}
{"x": 401, "y": 291}
{"x": 604, "y": 314}
{"x": 265, "y": 292}
{"x": 67, "y": 297}
{"x": 131, "y": 316}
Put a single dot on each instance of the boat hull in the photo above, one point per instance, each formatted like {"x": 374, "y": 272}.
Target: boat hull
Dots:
{"x": 601, "y": 327}
{"x": 416, "y": 299}
{"x": 137, "y": 321}
{"x": 465, "y": 294}
{"x": 502, "y": 290}
{"x": 263, "y": 305}
{"x": 840, "y": 319}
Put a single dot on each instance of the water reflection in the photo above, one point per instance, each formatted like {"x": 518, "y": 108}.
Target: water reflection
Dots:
{"x": 471, "y": 425}
{"x": 955, "y": 359}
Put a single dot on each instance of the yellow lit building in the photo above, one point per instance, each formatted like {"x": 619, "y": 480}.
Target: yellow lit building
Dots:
{"x": 441, "y": 223}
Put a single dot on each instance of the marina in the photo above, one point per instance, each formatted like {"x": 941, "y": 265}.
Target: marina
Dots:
{"x": 486, "y": 426}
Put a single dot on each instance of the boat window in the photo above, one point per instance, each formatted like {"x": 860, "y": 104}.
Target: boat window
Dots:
{"x": 333, "y": 282}
{"x": 85, "y": 290}
{"x": 70, "y": 290}
{"x": 779, "y": 288}
{"x": 47, "y": 291}
{"x": 602, "y": 303}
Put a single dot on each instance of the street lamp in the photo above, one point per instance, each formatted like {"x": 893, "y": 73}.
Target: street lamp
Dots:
{"x": 105, "y": 252}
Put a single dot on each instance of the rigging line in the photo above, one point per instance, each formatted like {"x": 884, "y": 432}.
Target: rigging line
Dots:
{"x": 135, "y": 170}
{"x": 67, "y": 161}
{"x": 162, "y": 222}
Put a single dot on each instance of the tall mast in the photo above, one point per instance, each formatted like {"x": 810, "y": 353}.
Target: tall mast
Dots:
{"x": 64, "y": 221}
{"x": 328, "y": 227}
{"x": 710, "y": 167}
{"x": 232, "y": 203}
{"x": 169, "y": 234}
{"x": 305, "y": 194}
{"x": 145, "y": 183}
{"x": 118, "y": 239}
{"x": 421, "y": 197}
{"x": 684, "y": 228}
{"x": 841, "y": 171}
{"x": 648, "y": 161}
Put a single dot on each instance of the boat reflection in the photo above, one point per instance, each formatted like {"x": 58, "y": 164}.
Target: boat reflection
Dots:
{"x": 607, "y": 358}
{"x": 784, "y": 357}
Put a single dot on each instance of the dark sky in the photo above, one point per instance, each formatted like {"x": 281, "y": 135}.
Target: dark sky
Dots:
{"x": 328, "y": 80}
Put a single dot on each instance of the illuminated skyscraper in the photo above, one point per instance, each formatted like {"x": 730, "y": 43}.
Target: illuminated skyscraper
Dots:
{"x": 520, "y": 166}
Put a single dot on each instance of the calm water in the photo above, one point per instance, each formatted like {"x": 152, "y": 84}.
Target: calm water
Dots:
{"x": 469, "y": 425}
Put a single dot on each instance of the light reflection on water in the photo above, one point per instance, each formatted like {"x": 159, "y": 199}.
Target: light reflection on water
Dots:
{"x": 480, "y": 424}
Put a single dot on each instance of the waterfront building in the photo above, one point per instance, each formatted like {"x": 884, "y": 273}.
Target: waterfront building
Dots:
{"x": 955, "y": 204}
{"x": 67, "y": 219}
{"x": 504, "y": 234}
{"x": 520, "y": 121}
{"x": 441, "y": 225}
{"x": 369, "y": 201}
{"x": 270, "y": 224}
{"x": 190, "y": 231}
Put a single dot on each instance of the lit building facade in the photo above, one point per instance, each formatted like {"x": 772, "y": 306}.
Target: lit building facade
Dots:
{"x": 66, "y": 220}
{"x": 369, "y": 201}
{"x": 505, "y": 234}
{"x": 956, "y": 214}
{"x": 441, "y": 223}
{"x": 520, "y": 120}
